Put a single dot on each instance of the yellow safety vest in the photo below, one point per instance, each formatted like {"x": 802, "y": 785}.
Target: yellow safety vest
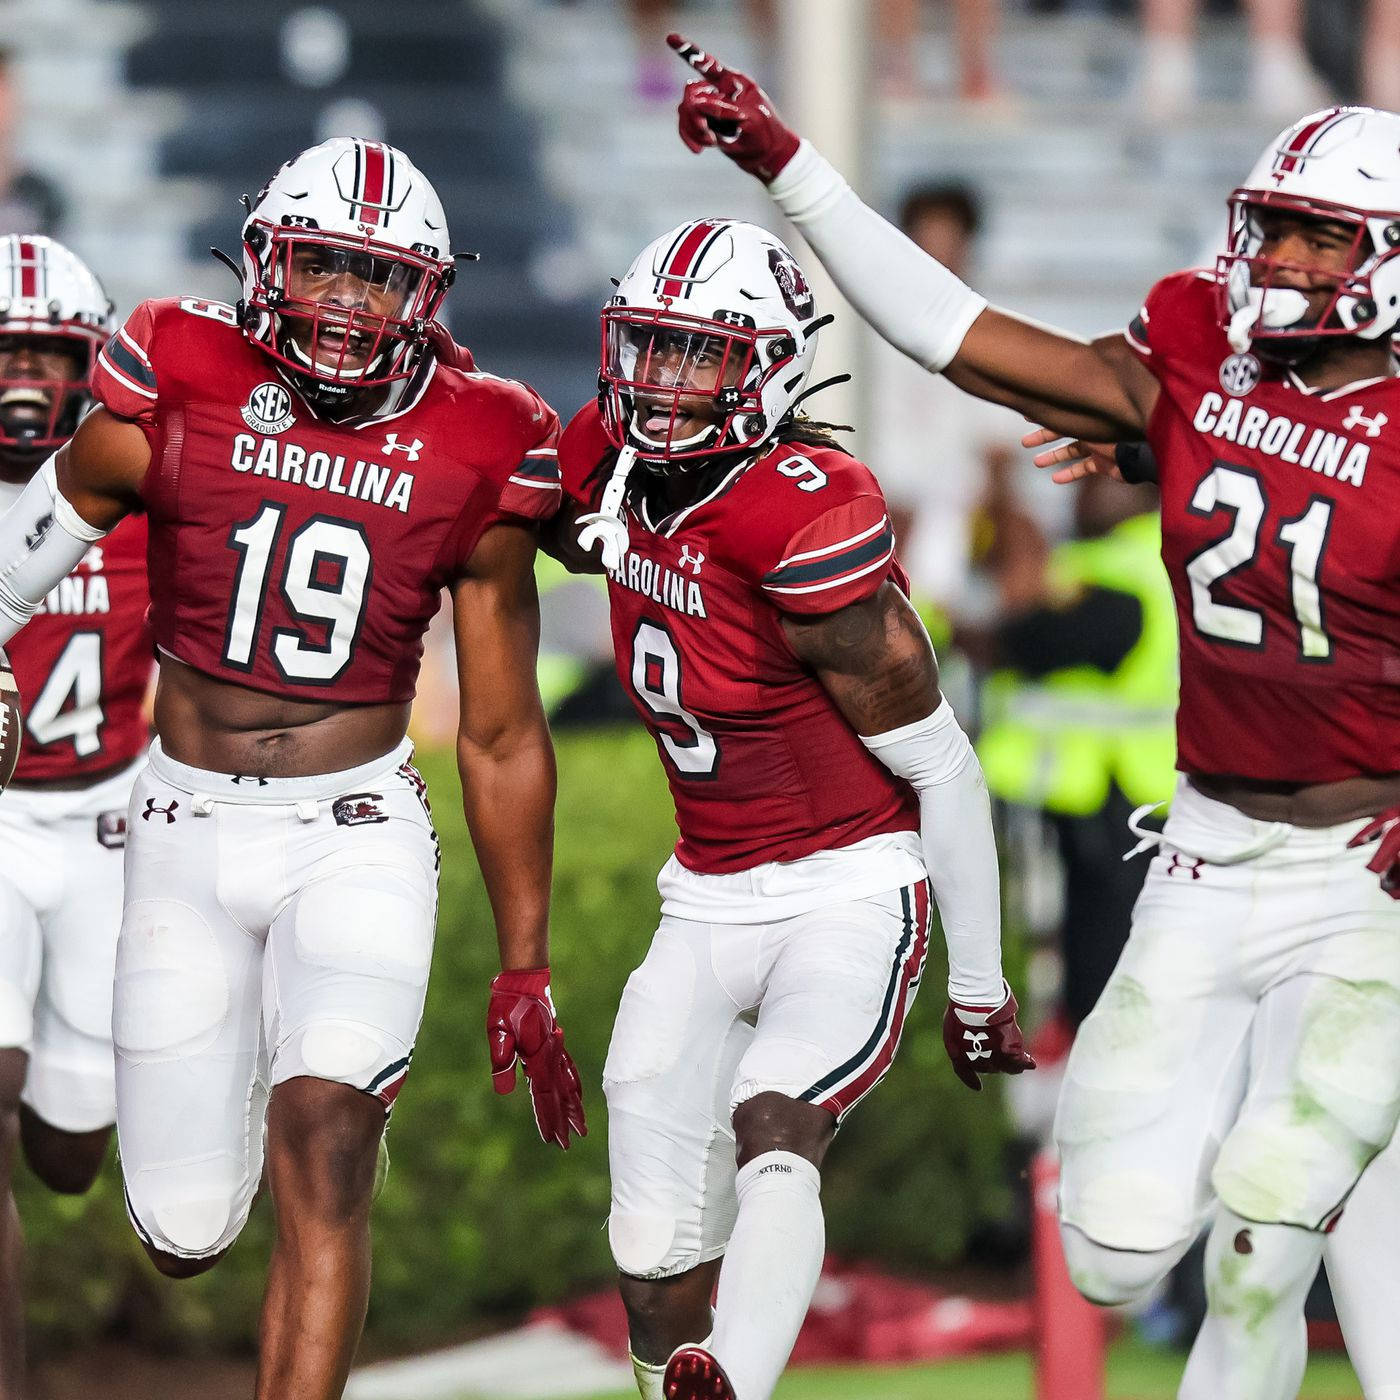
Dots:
{"x": 1058, "y": 742}
{"x": 559, "y": 673}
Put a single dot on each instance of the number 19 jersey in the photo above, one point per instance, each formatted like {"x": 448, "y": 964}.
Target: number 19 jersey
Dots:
{"x": 299, "y": 556}
{"x": 1281, "y": 535}
{"x": 762, "y": 765}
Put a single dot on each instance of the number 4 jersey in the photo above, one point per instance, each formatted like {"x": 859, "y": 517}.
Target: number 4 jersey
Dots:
{"x": 83, "y": 663}
{"x": 302, "y": 557}
{"x": 761, "y": 764}
{"x": 1281, "y": 535}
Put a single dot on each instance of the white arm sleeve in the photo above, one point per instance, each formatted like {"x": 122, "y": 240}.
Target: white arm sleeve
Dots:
{"x": 955, "y": 827}
{"x": 910, "y": 299}
{"x": 42, "y": 540}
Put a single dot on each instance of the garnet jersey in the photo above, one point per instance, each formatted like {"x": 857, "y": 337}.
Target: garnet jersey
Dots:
{"x": 762, "y": 765}
{"x": 83, "y": 662}
{"x": 1281, "y": 535}
{"x": 303, "y": 557}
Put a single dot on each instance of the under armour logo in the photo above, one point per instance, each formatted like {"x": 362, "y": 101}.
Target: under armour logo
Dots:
{"x": 392, "y": 444}
{"x": 1356, "y": 419}
{"x": 1190, "y": 865}
{"x": 41, "y": 528}
{"x": 247, "y": 778}
{"x": 167, "y": 812}
{"x": 978, "y": 1045}
{"x": 691, "y": 561}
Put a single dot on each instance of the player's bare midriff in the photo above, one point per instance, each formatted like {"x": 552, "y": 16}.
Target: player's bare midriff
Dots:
{"x": 227, "y": 728}
{"x": 1303, "y": 804}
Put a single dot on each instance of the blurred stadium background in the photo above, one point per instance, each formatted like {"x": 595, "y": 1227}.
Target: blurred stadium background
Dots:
{"x": 133, "y": 128}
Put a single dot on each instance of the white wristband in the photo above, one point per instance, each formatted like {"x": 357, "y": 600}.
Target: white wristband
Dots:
{"x": 910, "y": 299}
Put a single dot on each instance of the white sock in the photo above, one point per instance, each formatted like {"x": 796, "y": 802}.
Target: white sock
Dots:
{"x": 1253, "y": 1344}
{"x": 649, "y": 1379}
{"x": 770, "y": 1271}
{"x": 1361, "y": 1255}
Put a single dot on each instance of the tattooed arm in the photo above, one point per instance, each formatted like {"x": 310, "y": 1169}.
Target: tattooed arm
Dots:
{"x": 874, "y": 658}
{"x": 875, "y": 661}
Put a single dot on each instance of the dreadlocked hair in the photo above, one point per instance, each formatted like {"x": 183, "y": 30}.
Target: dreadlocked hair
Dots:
{"x": 812, "y": 432}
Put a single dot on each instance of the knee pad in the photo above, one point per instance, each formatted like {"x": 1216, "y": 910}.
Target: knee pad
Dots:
{"x": 345, "y": 1052}
{"x": 190, "y": 1209}
{"x": 172, "y": 995}
{"x": 1112, "y": 1277}
{"x": 641, "y": 1244}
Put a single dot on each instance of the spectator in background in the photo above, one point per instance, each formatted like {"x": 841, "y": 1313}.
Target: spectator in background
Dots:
{"x": 975, "y": 26}
{"x": 29, "y": 203}
{"x": 652, "y": 20}
{"x": 937, "y": 449}
{"x": 1380, "y": 56}
{"x": 1282, "y": 84}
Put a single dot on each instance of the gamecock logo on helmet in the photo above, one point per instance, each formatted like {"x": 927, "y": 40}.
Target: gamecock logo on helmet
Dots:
{"x": 791, "y": 283}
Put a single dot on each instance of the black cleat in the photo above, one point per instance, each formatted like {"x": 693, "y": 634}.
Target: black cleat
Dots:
{"x": 693, "y": 1374}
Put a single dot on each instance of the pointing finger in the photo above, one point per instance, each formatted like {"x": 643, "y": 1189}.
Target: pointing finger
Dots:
{"x": 705, "y": 64}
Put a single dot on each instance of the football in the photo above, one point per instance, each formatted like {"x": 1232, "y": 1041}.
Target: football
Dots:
{"x": 11, "y": 722}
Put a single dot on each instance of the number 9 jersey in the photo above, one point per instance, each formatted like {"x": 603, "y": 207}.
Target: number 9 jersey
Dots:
{"x": 299, "y": 556}
{"x": 762, "y": 765}
{"x": 1281, "y": 535}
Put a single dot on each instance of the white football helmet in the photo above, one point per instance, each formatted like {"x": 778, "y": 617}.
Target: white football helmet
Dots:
{"x": 49, "y": 300}
{"x": 1341, "y": 165}
{"x": 346, "y": 260}
{"x": 706, "y": 344}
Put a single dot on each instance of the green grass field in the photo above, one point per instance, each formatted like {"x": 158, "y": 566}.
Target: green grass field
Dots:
{"x": 1135, "y": 1373}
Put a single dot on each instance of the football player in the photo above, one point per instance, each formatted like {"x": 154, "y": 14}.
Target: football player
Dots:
{"x": 83, "y": 668}
{"x": 312, "y": 479}
{"x": 822, "y": 787}
{"x": 1243, "y": 1064}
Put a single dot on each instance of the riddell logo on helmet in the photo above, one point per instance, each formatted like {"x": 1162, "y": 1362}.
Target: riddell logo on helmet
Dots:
{"x": 791, "y": 283}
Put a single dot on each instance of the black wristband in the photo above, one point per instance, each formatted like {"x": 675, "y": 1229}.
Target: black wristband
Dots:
{"x": 1136, "y": 461}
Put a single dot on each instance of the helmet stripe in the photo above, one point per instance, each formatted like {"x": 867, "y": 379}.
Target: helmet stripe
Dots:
{"x": 1297, "y": 150}
{"x": 372, "y": 193}
{"x": 28, "y": 269}
{"x": 686, "y": 256}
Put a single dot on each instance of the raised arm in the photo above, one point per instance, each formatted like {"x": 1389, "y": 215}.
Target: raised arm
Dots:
{"x": 1095, "y": 389}
{"x": 506, "y": 761}
{"x": 874, "y": 659}
{"x": 69, "y": 504}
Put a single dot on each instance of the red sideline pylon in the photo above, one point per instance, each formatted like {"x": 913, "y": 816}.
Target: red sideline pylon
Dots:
{"x": 1070, "y": 1333}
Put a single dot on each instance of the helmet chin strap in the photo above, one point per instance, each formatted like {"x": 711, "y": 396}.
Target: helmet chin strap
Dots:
{"x": 607, "y": 526}
{"x": 1270, "y": 308}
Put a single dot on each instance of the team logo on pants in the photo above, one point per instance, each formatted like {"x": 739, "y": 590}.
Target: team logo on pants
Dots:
{"x": 111, "y": 830}
{"x": 152, "y": 810}
{"x": 358, "y": 809}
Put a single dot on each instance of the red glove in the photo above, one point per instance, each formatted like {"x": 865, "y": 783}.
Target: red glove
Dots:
{"x": 984, "y": 1040}
{"x": 1385, "y": 830}
{"x": 728, "y": 110}
{"x": 520, "y": 1025}
{"x": 447, "y": 350}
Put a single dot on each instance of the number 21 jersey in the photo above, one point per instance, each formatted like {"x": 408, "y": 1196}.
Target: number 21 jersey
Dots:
{"x": 1281, "y": 535}
{"x": 303, "y": 557}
